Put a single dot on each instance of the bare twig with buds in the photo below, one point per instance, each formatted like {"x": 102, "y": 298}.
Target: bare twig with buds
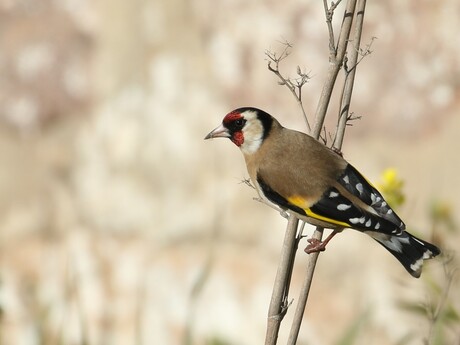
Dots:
{"x": 336, "y": 59}
{"x": 329, "y": 13}
{"x": 293, "y": 84}
{"x": 345, "y": 116}
{"x": 362, "y": 53}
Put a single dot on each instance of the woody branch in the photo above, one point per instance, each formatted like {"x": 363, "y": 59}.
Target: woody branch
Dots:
{"x": 337, "y": 53}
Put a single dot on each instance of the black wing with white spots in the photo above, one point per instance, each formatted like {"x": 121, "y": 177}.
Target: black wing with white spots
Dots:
{"x": 357, "y": 185}
{"x": 373, "y": 216}
{"x": 336, "y": 208}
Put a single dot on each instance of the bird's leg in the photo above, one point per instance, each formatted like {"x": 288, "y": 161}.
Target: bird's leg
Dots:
{"x": 317, "y": 245}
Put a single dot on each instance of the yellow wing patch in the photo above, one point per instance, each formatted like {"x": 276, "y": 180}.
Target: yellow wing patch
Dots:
{"x": 299, "y": 201}
{"x": 305, "y": 204}
{"x": 314, "y": 215}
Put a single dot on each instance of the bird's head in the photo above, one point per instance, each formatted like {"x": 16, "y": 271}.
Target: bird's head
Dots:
{"x": 246, "y": 127}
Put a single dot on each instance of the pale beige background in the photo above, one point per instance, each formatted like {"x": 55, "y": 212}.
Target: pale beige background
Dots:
{"x": 120, "y": 225}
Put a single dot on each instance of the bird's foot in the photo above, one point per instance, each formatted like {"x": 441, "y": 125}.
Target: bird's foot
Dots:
{"x": 315, "y": 246}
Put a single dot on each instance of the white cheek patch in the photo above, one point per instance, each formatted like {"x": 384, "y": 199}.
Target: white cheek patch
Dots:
{"x": 250, "y": 146}
{"x": 253, "y": 133}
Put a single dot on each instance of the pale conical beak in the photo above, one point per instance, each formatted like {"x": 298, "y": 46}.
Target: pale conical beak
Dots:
{"x": 219, "y": 132}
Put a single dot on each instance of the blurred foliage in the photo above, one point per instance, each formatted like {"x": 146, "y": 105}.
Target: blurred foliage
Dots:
{"x": 391, "y": 186}
{"x": 217, "y": 341}
{"x": 352, "y": 333}
{"x": 442, "y": 215}
{"x": 438, "y": 309}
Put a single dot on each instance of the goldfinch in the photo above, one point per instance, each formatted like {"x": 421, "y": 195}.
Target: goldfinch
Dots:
{"x": 299, "y": 174}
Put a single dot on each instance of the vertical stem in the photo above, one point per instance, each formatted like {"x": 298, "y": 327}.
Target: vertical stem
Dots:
{"x": 350, "y": 76}
{"x": 304, "y": 292}
{"x": 278, "y": 303}
{"x": 334, "y": 68}
{"x": 320, "y": 115}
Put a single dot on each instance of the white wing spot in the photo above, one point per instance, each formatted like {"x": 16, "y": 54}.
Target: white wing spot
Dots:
{"x": 393, "y": 243}
{"x": 390, "y": 211}
{"x": 354, "y": 220}
{"x": 333, "y": 194}
{"x": 346, "y": 179}
{"x": 428, "y": 254}
{"x": 377, "y": 226}
{"x": 368, "y": 223}
{"x": 373, "y": 197}
{"x": 417, "y": 265}
{"x": 362, "y": 220}
{"x": 383, "y": 204}
{"x": 396, "y": 243}
{"x": 403, "y": 239}
{"x": 359, "y": 187}
{"x": 343, "y": 207}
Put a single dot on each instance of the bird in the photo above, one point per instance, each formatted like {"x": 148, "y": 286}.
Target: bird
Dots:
{"x": 298, "y": 174}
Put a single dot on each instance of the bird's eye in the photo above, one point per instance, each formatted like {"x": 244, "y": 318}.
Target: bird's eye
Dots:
{"x": 239, "y": 123}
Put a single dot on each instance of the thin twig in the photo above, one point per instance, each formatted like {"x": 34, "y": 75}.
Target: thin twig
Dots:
{"x": 248, "y": 183}
{"x": 350, "y": 77}
{"x": 282, "y": 212}
{"x": 362, "y": 53}
{"x": 329, "y": 13}
{"x": 336, "y": 60}
{"x": 294, "y": 85}
{"x": 435, "y": 314}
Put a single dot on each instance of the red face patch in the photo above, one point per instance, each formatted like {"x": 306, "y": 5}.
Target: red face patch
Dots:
{"x": 230, "y": 117}
{"x": 238, "y": 138}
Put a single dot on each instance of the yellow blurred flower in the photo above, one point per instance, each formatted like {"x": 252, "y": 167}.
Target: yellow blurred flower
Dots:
{"x": 391, "y": 186}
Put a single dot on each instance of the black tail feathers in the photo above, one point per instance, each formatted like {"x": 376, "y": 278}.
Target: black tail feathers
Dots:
{"x": 409, "y": 250}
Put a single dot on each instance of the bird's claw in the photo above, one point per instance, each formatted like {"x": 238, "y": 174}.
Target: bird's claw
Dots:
{"x": 315, "y": 246}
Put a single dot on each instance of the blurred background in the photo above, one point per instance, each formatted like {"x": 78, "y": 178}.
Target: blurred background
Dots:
{"x": 121, "y": 225}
